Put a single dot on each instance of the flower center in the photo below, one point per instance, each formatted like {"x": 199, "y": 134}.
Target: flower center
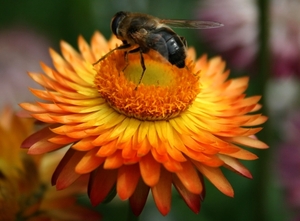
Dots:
{"x": 164, "y": 92}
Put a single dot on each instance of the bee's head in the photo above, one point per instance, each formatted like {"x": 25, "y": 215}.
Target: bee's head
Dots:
{"x": 115, "y": 22}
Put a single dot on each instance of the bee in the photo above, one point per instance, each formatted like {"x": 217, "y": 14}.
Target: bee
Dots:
{"x": 141, "y": 33}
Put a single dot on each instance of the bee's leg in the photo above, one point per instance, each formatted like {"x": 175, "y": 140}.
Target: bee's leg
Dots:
{"x": 124, "y": 46}
{"x": 142, "y": 62}
{"x": 126, "y": 56}
{"x": 126, "y": 60}
{"x": 143, "y": 66}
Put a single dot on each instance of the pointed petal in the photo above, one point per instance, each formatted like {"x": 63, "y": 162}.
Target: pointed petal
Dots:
{"x": 139, "y": 197}
{"x": 235, "y": 166}
{"x": 152, "y": 135}
{"x": 108, "y": 149}
{"x": 89, "y": 162}
{"x": 143, "y": 148}
{"x": 100, "y": 184}
{"x": 128, "y": 177}
{"x": 85, "y": 50}
{"x": 114, "y": 161}
{"x": 150, "y": 170}
{"x": 64, "y": 175}
{"x": 43, "y": 146}
{"x": 130, "y": 130}
{"x": 84, "y": 144}
{"x": 189, "y": 178}
{"x": 172, "y": 165}
{"x": 162, "y": 192}
{"x": 191, "y": 199}
{"x": 34, "y": 138}
{"x": 62, "y": 139}
{"x": 99, "y": 45}
{"x": 217, "y": 178}
{"x": 242, "y": 154}
{"x": 249, "y": 141}
{"x": 127, "y": 150}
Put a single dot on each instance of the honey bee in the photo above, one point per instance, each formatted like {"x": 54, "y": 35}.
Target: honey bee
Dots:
{"x": 141, "y": 33}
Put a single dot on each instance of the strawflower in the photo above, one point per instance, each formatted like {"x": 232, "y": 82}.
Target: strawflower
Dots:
{"x": 26, "y": 193}
{"x": 176, "y": 127}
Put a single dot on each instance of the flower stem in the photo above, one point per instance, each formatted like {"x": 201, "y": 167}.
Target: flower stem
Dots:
{"x": 131, "y": 216}
{"x": 263, "y": 175}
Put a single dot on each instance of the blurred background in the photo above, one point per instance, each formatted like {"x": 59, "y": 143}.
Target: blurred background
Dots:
{"x": 260, "y": 39}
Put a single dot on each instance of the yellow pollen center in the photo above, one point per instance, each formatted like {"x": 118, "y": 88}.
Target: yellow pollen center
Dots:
{"x": 164, "y": 92}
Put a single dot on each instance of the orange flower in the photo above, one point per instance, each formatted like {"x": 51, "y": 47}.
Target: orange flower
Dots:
{"x": 175, "y": 127}
{"x": 26, "y": 193}
{"x": 18, "y": 174}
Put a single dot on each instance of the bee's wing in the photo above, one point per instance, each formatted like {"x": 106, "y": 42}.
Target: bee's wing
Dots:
{"x": 195, "y": 24}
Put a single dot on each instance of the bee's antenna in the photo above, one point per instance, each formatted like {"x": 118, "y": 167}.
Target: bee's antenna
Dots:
{"x": 124, "y": 46}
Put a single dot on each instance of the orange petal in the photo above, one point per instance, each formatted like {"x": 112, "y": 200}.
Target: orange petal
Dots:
{"x": 114, "y": 161}
{"x": 214, "y": 161}
{"x": 127, "y": 150}
{"x": 64, "y": 175}
{"x": 249, "y": 141}
{"x": 174, "y": 153}
{"x": 256, "y": 121}
{"x": 43, "y": 146}
{"x": 217, "y": 178}
{"x": 84, "y": 145}
{"x": 158, "y": 157}
{"x": 108, "y": 149}
{"x": 197, "y": 155}
{"x": 172, "y": 165}
{"x": 38, "y": 142}
{"x": 235, "y": 165}
{"x": 162, "y": 192}
{"x": 128, "y": 177}
{"x": 150, "y": 170}
{"x": 99, "y": 45}
{"x": 61, "y": 139}
{"x": 45, "y": 117}
{"x": 152, "y": 135}
{"x": 85, "y": 50}
{"x": 191, "y": 199}
{"x": 44, "y": 133}
{"x": 189, "y": 178}
{"x": 198, "y": 147}
{"x": 242, "y": 154}
{"x": 32, "y": 107}
{"x": 89, "y": 162}
{"x": 143, "y": 148}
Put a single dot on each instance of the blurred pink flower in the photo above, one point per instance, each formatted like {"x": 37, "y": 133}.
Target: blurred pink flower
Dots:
{"x": 20, "y": 49}
{"x": 285, "y": 37}
{"x": 289, "y": 163}
{"x": 238, "y": 39}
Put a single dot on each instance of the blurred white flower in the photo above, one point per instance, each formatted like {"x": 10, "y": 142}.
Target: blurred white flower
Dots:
{"x": 285, "y": 90}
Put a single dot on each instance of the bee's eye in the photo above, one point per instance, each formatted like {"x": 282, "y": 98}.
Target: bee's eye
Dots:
{"x": 114, "y": 25}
